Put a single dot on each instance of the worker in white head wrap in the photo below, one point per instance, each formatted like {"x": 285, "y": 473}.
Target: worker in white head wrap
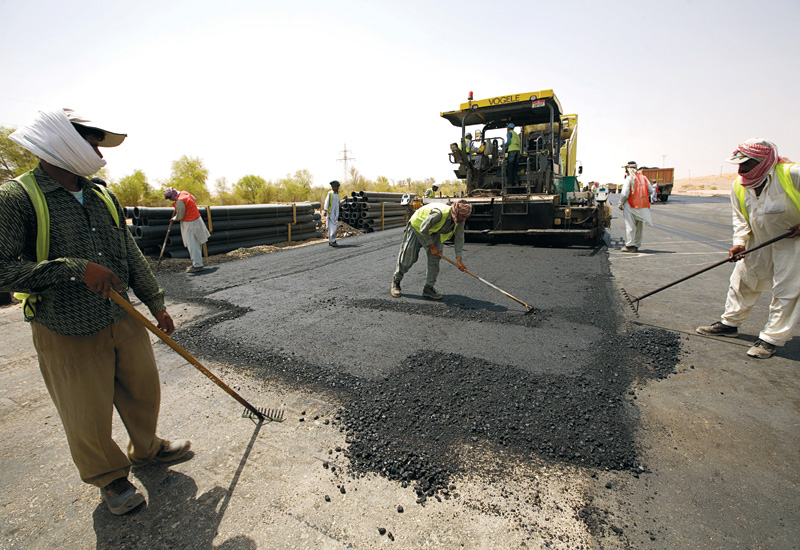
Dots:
{"x": 54, "y": 138}
{"x": 766, "y": 203}
{"x": 64, "y": 243}
{"x": 634, "y": 201}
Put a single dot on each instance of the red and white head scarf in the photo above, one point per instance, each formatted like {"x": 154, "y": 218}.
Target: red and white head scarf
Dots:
{"x": 763, "y": 151}
{"x": 460, "y": 210}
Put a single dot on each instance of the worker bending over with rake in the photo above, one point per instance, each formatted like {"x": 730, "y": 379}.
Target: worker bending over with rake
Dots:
{"x": 431, "y": 226}
{"x": 194, "y": 232}
{"x": 766, "y": 203}
{"x": 64, "y": 241}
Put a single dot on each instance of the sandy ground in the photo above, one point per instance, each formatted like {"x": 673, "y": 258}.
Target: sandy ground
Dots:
{"x": 705, "y": 185}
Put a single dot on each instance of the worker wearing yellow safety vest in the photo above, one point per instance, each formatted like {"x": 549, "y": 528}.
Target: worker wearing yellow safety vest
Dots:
{"x": 431, "y": 192}
{"x": 766, "y": 203}
{"x": 511, "y": 149}
{"x": 467, "y": 147}
{"x": 63, "y": 240}
{"x": 430, "y": 226}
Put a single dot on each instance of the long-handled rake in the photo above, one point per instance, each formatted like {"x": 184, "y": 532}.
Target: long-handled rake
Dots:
{"x": 631, "y": 301}
{"x": 528, "y": 308}
{"x": 273, "y": 415}
{"x": 164, "y": 245}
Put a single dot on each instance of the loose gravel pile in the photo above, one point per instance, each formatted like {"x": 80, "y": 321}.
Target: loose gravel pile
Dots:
{"x": 411, "y": 425}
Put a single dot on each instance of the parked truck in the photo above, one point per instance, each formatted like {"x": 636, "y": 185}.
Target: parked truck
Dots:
{"x": 546, "y": 203}
{"x": 663, "y": 177}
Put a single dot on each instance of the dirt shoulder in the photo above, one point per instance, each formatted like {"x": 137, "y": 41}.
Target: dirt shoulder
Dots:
{"x": 705, "y": 185}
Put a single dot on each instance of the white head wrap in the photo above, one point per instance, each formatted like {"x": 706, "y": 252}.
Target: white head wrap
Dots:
{"x": 52, "y": 138}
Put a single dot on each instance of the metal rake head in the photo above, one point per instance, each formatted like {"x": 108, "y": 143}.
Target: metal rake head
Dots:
{"x": 273, "y": 415}
{"x": 631, "y": 302}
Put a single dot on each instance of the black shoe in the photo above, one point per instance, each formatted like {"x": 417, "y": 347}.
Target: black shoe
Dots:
{"x": 719, "y": 329}
{"x": 334, "y": 244}
{"x": 121, "y": 496}
{"x": 430, "y": 292}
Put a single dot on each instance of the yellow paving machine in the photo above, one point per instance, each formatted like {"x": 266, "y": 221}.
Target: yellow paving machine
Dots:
{"x": 541, "y": 200}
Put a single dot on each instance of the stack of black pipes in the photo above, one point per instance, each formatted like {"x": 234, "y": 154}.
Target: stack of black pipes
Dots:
{"x": 372, "y": 211}
{"x": 231, "y": 227}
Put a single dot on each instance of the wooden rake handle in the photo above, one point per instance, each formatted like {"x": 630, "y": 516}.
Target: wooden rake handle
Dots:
{"x": 712, "y": 266}
{"x": 481, "y": 279}
{"x": 164, "y": 245}
{"x": 124, "y": 304}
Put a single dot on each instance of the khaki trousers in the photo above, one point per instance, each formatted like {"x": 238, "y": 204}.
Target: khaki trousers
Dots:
{"x": 409, "y": 254}
{"x": 89, "y": 375}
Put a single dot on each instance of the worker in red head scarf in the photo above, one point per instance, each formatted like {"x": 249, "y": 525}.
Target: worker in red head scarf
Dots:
{"x": 430, "y": 227}
{"x": 766, "y": 204}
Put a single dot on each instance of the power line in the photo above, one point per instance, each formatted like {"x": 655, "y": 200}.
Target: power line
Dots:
{"x": 345, "y": 159}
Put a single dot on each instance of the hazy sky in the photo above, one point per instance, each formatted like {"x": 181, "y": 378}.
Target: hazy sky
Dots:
{"x": 268, "y": 88}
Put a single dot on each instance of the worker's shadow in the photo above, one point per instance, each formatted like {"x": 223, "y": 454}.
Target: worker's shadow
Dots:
{"x": 206, "y": 271}
{"x": 174, "y": 517}
{"x": 458, "y": 301}
{"x": 464, "y": 302}
{"x": 791, "y": 350}
{"x": 651, "y": 251}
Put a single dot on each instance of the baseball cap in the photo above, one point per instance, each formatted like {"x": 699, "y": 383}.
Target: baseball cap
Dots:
{"x": 110, "y": 139}
{"x": 738, "y": 157}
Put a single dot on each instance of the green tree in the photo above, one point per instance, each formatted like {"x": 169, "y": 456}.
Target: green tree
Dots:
{"x": 131, "y": 190}
{"x": 267, "y": 194}
{"x": 189, "y": 174}
{"x": 295, "y": 188}
{"x": 14, "y": 160}
{"x": 224, "y": 195}
{"x": 250, "y": 188}
{"x": 359, "y": 182}
{"x": 103, "y": 175}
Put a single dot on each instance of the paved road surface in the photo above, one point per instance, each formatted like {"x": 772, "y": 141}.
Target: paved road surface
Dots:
{"x": 718, "y": 437}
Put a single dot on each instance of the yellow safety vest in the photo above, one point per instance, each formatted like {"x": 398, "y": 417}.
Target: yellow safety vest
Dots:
{"x": 29, "y": 184}
{"x": 513, "y": 143}
{"x": 422, "y": 213}
{"x": 782, "y": 171}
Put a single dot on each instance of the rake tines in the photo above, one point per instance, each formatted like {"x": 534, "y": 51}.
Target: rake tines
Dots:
{"x": 631, "y": 302}
{"x": 273, "y": 415}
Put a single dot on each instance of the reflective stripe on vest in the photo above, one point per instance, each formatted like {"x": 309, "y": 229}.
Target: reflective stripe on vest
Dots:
{"x": 328, "y": 201}
{"x": 639, "y": 197}
{"x": 782, "y": 171}
{"x": 31, "y": 187}
{"x": 190, "y": 213}
{"x": 422, "y": 213}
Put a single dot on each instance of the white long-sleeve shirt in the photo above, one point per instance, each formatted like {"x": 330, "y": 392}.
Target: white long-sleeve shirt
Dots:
{"x": 771, "y": 213}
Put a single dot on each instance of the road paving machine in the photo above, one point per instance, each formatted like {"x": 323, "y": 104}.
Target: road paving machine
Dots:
{"x": 546, "y": 204}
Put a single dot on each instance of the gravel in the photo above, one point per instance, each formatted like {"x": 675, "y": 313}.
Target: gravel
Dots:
{"x": 412, "y": 424}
